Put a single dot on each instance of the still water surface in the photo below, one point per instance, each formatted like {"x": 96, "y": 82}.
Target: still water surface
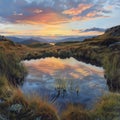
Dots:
{"x": 64, "y": 81}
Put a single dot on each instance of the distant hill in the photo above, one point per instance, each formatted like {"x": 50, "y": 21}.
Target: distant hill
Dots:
{"x": 110, "y": 37}
{"x": 15, "y": 39}
{"x": 29, "y": 41}
{"x": 26, "y": 40}
{"x": 44, "y": 40}
{"x": 38, "y": 45}
{"x": 40, "y": 39}
{"x": 9, "y": 46}
{"x": 114, "y": 31}
{"x": 74, "y": 39}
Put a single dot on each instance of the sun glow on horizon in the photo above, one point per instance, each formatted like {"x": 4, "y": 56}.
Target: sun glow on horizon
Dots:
{"x": 56, "y": 18}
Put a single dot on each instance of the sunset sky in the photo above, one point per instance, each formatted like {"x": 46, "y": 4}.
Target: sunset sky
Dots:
{"x": 58, "y": 17}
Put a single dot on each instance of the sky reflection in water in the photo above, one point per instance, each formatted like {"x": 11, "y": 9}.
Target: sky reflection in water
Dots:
{"x": 64, "y": 81}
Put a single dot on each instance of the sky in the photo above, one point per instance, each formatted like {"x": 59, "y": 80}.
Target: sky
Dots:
{"x": 58, "y": 17}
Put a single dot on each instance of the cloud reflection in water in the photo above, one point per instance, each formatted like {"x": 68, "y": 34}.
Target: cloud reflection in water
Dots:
{"x": 65, "y": 81}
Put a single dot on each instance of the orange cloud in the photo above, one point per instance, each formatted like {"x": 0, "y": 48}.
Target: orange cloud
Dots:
{"x": 91, "y": 14}
{"x": 50, "y": 17}
{"x": 109, "y": 7}
{"x": 78, "y": 10}
{"x": 47, "y": 66}
{"x": 41, "y": 17}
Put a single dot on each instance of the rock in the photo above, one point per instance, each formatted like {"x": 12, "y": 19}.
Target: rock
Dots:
{"x": 2, "y": 117}
{"x": 38, "y": 118}
{"x": 15, "y": 108}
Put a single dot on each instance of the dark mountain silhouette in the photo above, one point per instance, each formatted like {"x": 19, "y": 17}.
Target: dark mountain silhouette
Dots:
{"x": 114, "y": 31}
{"x": 71, "y": 39}
{"x": 43, "y": 40}
{"x": 15, "y": 39}
{"x": 29, "y": 41}
{"x": 111, "y": 37}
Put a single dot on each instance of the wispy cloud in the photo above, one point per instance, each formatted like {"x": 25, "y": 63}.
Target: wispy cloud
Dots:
{"x": 55, "y": 13}
{"x": 90, "y": 31}
{"x": 76, "y": 11}
{"x": 50, "y": 11}
{"x": 37, "y": 17}
{"x": 94, "y": 29}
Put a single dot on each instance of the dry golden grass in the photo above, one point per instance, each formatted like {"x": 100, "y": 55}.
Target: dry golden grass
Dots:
{"x": 32, "y": 108}
{"x": 108, "y": 108}
{"x": 75, "y": 113}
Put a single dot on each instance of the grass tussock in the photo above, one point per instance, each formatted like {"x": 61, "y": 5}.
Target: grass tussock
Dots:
{"x": 19, "y": 107}
{"x": 112, "y": 71}
{"x": 11, "y": 68}
{"x": 3, "y": 84}
{"x": 76, "y": 113}
{"x": 108, "y": 108}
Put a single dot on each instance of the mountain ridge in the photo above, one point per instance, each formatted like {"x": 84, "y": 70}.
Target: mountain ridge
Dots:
{"x": 43, "y": 40}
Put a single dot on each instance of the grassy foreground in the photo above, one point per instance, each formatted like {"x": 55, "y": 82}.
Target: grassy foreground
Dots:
{"x": 101, "y": 51}
{"x": 15, "y": 106}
